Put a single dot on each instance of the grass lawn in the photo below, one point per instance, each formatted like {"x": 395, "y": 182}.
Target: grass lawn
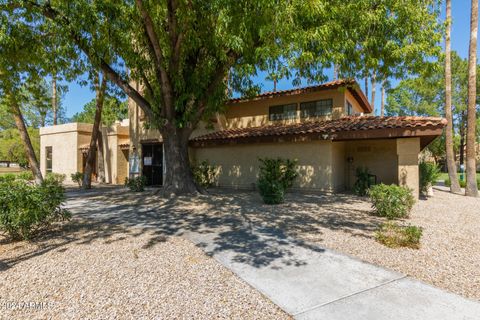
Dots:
{"x": 14, "y": 170}
{"x": 444, "y": 176}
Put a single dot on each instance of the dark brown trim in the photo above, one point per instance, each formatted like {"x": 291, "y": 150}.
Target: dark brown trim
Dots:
{"x": 426, "y": 133}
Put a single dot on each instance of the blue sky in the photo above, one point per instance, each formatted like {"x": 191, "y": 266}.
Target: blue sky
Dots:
{"x": 77, "y": 96}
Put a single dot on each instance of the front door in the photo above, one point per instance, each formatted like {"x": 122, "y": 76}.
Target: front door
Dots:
{"x": 152, "y": 161}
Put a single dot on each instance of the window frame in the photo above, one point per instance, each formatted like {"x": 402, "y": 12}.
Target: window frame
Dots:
{"x": 284, "y": 113}
{"x": 303, "y": 114}
{"x": 349, "y": 108}
{"x": 48, "y": 160}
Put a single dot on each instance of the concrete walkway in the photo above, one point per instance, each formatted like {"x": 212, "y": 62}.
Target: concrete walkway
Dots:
{"x": 317, "y": 283}
{"x": 306, "y": 281}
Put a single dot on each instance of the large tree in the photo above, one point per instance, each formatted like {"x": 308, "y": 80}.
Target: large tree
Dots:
{"x": 471, "y": 188}
{"x": 182, "y": 53}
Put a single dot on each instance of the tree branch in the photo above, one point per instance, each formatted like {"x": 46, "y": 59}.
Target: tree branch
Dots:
{"x": 154, "y": 44}
{"x": 112, "y": 75}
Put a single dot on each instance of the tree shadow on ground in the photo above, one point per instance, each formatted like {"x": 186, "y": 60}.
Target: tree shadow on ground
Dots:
{"x": 222, "y": 221}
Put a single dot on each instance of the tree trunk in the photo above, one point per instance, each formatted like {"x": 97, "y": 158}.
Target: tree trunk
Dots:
{"x": 178, "y": 177}
{"x": 382, "y": 105}
{"x": 54, "y": 98}
{"x": 452, "y": 168}
{"x": 366, "y": 87}
{"x": 471, "y": 189}
{"x": 335, "y": 72}
{"x": 100, "y": 94}
{"x": 461, "y": 151}
{"x": 101, "y": 158}
{"x": 27, "y": 143}
{"x": 374, "y": 84}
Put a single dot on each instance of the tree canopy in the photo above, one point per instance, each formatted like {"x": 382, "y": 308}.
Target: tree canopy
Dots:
{"x": 113, "y": 110}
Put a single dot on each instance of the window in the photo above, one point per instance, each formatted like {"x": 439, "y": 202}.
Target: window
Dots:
{"x": 316, "y": 108}
{"x": 48, "y": 157}
{"x": 282, "y": 112}
{"x": 349, "y": 109}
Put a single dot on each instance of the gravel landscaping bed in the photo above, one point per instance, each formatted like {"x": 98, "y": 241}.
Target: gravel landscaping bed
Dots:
{"x": 449, "y": 255}
{"x": 89, "y": 271}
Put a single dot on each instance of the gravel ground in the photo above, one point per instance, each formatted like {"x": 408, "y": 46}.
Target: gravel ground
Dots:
{"x": 92, "y": 272}
{"x": 449, "y": 256}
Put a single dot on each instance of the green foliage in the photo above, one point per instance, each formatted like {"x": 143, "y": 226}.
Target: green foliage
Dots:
{"x": 55, "y": 177}
{"x": 136, "y": 184}
{"x": 393, "y": 235}
{"x": 25, "y": 175}
{"x": 204, "y": 174}
{"x": 78, "y": 178}
{"x": 363, "y": 181}
{"x": 391, "y": 201}
{"x": 25, "y": 208}
{"x": 462, "y": 183}
{"x": 113, "y": 110}
{"x": 275, "y": 177}
{"x": 429, "y": 173}
{"x": 11, "y": 146}
{"x": 8, "y": 177}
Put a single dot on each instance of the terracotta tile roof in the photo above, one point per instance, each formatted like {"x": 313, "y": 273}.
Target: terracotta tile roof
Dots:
{"x": 350, "y": 84}
{"x": 345, "y": 124}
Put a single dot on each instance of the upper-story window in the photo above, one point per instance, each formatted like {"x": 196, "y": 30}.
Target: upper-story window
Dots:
{"x": 316, "y": 108}
{"x": 282, "y": 112}
{"x": 349, "y": 108}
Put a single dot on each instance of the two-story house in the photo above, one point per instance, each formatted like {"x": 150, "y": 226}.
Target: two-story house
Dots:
{"x": 326, "y": 128}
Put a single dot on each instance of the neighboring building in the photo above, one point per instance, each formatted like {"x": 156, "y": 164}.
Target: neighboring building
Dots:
{"x": 63, "y": 149}
{"x": 325, "y": 127}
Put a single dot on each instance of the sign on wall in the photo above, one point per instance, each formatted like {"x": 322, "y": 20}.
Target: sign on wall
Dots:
{"x": 133, "y": 163}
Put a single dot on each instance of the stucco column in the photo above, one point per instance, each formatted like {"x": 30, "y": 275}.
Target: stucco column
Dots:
{"x": 407, "y": 152}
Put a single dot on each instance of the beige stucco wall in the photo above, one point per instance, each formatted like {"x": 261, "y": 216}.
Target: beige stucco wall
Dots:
{"x": 239, "y": 165}
{"x": 379, "y": 156}
{"x": 407, "y": 152}
{"x": 67, "y": 158}
{"x": 255, "y": 113}
{"x": 65, "y": 140}
{"x": 338, "y": 165}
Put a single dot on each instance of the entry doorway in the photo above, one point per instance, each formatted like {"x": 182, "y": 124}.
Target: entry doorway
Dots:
{"x": 152, "y": 163}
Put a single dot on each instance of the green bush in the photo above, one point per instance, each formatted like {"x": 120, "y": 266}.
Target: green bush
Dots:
{"x": 391, "y": 201}
{"x": 136, "y": 184}
{"x": 8, "y": 177}
{"x": 429, "y": 173}
{"x": 25, "y": 175}
{"x": 57, "y": 177}
{"x": 78, "y": 178}
{"x": 276, "y": 176}
{"x": 25, "y": 208}
{"x": 393, "y": 235}
{"x": 204, "y": 174}
{"x": 362, "y": 182}
{"x": 463, "y": 183}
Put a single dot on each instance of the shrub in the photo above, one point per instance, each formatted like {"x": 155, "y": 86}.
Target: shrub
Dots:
{"x": 57, "y": 177}
{"x": 8, "y": 177}
{"x": 393, "y": 235}
{"x": 429, "y": 173}
{"x": 204, "y": 174}
{"x": 276, "y": 176}
{"x": 391, "y": 201}
{"x": 25, "y": 208}
{"x": 25, "y": 175}
{"x": 78, "y": 178}
{"x": 463, "y": 183}
{"x": 136, "y": 184}
{"x": 362, "y": 182}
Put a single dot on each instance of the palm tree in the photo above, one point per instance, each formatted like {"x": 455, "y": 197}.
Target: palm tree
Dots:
{"x": 452, "y": 168}
{"x": 471, "y": 187}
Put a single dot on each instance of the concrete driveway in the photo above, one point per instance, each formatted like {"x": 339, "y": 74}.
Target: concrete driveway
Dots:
{"x": 305, "y": 280}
